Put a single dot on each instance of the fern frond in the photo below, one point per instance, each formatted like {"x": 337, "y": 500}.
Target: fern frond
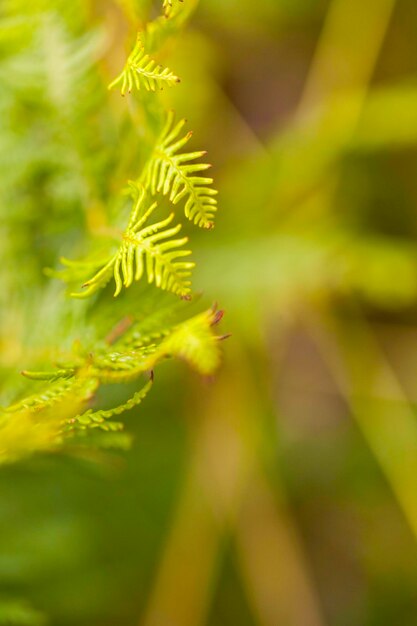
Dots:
{"x": 143, "y": 72}
{"x": 146, "y": 249}
{"x": 55, "y": 71}
{"x": 123, "y": 366}
{"x": 98, "y": 419}
{"x": 155, "y": 324}
{"x": 45, "y": 420}
{"x": 173, "y": 173}
{"x": 80, "y": 385}
{"x": 36, "y": 423}
{"x": 194, "y": 342}
{"x": 51, "y": 376}
{"x": 75, "y": 271}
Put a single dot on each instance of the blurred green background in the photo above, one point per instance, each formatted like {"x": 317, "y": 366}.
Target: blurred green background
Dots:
{"x": 284, "y": 492}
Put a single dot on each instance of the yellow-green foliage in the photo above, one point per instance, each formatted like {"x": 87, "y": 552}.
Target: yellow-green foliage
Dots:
{"x": 118, "y": 341}
{"x": 173, "y": 173}
{"x": 146, "y": 249}
{"x": 143, "y": 72}
{"x": 195, "y": 343}
{"x": 58, "y": 410}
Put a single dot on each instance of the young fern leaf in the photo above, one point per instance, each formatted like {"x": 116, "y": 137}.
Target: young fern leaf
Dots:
{"x": 194, "y": 342}
{"x": 123, "y": 366}
{"x": 172, "y": 173}
{"x": 155, "y": 325}
{"x": 146, "y": 249}
{"x": 143, "y": 72}
{"x": 98, "y": 419}
{"x": 61, "y": 389}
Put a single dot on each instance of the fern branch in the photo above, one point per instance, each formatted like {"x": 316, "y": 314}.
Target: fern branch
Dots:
{"x": 146, "y": 249}
{"x": 98, "y": 419}
{"x": 173, "y": 173}
{"x": 43, "y": 421}
{"x": 143, "y": 72}
{"x": 125, "y": 365}
{"x": 194, "y": 342}
{"x": 80, "y": 385}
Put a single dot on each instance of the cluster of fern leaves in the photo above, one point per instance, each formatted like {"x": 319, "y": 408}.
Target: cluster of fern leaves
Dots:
{"x": 130, "y": 238}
